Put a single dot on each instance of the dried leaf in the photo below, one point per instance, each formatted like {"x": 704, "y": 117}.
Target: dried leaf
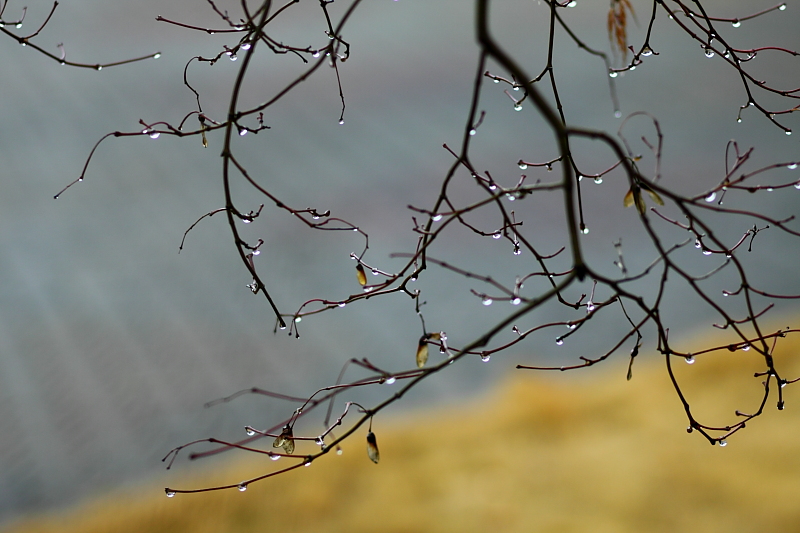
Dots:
{"x": 617, "y": 24}
{"x": 285, "y": 440}
{"x": 654, "y": 195}
{"x": 634, "y": 197}
{"x": 422, "y": 347}
{"x": 422, "y": 353}
{"x": 361, "y": 276}
{"x": 372, "y": 448}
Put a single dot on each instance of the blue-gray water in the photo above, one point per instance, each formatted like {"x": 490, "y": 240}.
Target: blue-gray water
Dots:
{"x": 111, "y": 341}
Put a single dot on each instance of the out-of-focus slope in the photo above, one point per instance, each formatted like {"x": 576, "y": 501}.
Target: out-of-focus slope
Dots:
{"x": 541, "y": 453}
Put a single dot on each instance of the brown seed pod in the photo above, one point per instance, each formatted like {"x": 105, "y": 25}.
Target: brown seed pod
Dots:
{"x": 372, "y": 448}
{"x": 422, "y": 347}
{"x": 422, "y": 352}
{"x": 285, "y": 440}
{"x": 361, "y": 276}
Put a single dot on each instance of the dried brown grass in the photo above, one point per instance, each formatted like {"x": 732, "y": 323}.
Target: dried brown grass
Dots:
{"x": 586, "y": 452}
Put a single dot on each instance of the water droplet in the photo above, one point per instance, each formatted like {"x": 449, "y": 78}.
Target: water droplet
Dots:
{"x": 315, "y": 54}
{"x": 233, "y": 57}
{"x": 585, "y": 230}
{"x": 436, "y": 218}
{"x": 788, "y": 132}
{"x": 617, "y": 113}
{"x": 559, "y": 341}
{"x": 590, "y": 306}
{"x": 515, "y": 88}
{"x": 572, "y": 326}
{"x": 797, "y": 185}
{"x": 496, "y": 80}
{"x": 486, "y": 300}
{"x": 298, "y": 319}
{"x": 736, "y": 23}
{"x": 246, "y": 46}
{"x": 517, "y": 251}
{"x": 522, "y": 165}
{"x": 573, "y": 3}
{"x": 711, "y": 197}
{"x": 250, "y": 431}
{"x": 319, "y": 441}
{"x": 739, "y": 120}
{"x": 515, "y": 301}
{"x": 242, "y": 132}
{"x": 706, "y": 252}
{"x": 492, "y": 187}
{"x": 709, "y": 52}
{"x": 647, "y": 51}
{"x": 689, "y": 360}
{"x": 511, "y": 197}
{"x": 274, "y": 457}
{"x": 390, "y": 381}
{"x": 156, "y": 55}
{"x": 612, "y": 74}
{"x": 170, "y": 493}
{"x": 791, "y": 166}
{"x": 598, "y": 180}
{"x": 746, "y": 347}
{"x": 770, "y": 189}
{"x": 473, "y": 131}
{"x": 697, "y": 243}
{"x": 517, "y": 107}
{"x": 375, "y": 272}
{"x": 154, "y": 135}
{"x": 242, "y": 487}
{"x": 723, "y": 443}
{"x": 782, "y": 7}
{"x": 339, "y": 451}
{"x": 498, "y": 235}
{"x": 341, "y": 121}
{"x": 689, "y": 429}
{"x": 19, "y": 25}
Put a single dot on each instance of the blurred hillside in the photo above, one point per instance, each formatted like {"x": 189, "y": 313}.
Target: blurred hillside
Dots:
{"x": 111, "y": 341}
{"x": 541, "y": 453}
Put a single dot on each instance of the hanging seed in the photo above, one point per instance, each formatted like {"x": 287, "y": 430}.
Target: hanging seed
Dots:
{"x": 285, "y": 440}
{"x": 422, "y": 352}
{"x": 372, "y": 448}
{"x": 361, "y": 276}
{"x": 422, "y": 347}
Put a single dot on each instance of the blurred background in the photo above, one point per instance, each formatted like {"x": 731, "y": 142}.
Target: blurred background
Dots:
{"x": 111, "y": 342}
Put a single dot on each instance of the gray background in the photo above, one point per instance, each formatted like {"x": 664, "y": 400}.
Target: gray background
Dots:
{"x": 111, "y": 342}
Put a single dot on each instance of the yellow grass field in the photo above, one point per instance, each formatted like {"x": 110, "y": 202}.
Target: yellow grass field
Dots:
{"x": 584, "y": 451}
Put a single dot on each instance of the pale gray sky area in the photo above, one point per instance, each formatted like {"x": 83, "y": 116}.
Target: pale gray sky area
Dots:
{"x": 111, "y": 341}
